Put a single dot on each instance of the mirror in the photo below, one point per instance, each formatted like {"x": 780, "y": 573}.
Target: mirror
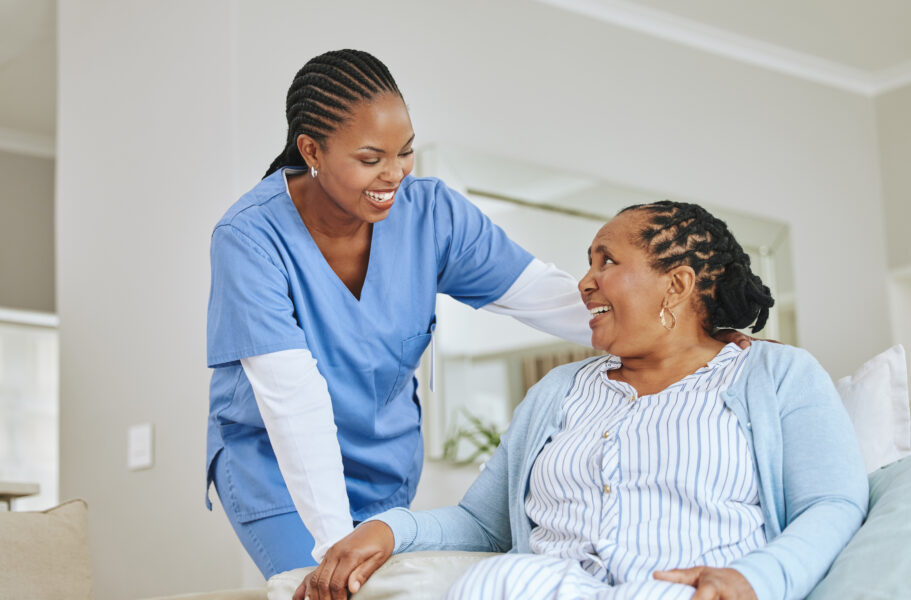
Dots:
{"x": 483, "y": 363}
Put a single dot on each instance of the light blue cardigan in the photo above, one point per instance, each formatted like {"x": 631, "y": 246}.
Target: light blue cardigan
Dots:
{"x": 813, "y": 486}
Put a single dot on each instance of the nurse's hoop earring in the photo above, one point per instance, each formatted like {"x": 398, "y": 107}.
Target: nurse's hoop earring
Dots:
{"x": 313, "y": 172}
{"x": 673, "y": 318}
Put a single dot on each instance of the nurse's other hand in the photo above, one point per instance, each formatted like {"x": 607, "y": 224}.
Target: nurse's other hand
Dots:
{"x": 349, "y": 563}
{"x": 732, "y": 336}
{"x": 711, "y": 583}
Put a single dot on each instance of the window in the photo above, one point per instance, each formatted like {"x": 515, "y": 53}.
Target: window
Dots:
{"x": 29, "y": 405}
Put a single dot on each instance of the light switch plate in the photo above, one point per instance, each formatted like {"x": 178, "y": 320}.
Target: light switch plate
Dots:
{"x": 140, "y": 444}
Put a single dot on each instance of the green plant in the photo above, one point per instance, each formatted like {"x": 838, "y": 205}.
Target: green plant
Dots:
{"x": 485, "y": 437}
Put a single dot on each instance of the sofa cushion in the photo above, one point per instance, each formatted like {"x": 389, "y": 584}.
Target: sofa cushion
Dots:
{"x": 876, "y": 562}
{"x": 412, "y": 575}
{"x": 46, "y": 554}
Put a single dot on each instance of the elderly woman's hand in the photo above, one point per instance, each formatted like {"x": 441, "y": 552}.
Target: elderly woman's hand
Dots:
{"x": 711, "y": 583}
{"x": 349, "y": 563}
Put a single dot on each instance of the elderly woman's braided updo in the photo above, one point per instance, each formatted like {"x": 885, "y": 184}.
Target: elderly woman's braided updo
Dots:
{"x": 679, "y": 233}
{"x": 322, "y": 94}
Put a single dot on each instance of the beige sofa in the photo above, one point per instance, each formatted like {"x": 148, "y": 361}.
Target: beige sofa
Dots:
{"x": 874, "y": 565}
{"x": 45, "y": 555}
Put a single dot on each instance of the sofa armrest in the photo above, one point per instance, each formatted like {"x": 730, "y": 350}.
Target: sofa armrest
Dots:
{"x": 412, "y": 575}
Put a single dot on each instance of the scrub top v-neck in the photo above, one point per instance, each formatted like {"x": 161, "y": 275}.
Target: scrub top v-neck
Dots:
{"x": 272, "y": 290}
{"x": 374, "y": 234}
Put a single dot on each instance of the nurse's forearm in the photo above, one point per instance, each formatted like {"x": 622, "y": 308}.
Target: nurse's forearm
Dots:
{"x": 293, "y": 399}
{"x": 546, "y": 298}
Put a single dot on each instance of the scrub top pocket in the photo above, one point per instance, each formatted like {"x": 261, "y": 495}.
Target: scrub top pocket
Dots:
{"x": 412, "y": 349}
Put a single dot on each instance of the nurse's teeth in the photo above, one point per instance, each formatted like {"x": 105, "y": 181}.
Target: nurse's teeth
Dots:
{"x": 600, "y": 309}
{"x": 381, "y": 197}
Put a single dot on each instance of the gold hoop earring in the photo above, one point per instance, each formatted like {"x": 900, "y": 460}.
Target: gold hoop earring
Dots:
{"x": 663, "y": 322}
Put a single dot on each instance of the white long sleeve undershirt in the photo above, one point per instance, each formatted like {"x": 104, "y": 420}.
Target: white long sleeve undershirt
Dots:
{"x": 548, "y": 299}
{"x": 294, "y": 401}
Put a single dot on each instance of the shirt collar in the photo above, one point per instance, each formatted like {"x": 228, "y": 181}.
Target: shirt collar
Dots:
{"x": 693, "y": 381}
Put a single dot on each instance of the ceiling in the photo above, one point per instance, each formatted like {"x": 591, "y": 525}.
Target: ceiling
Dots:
{"x": 861, "y": 46}
{"x": 857, "y": 45}
{"x": 864, "y": 34}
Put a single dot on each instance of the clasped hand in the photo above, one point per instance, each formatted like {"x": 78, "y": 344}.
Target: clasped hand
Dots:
{"x": 349, "y": 563}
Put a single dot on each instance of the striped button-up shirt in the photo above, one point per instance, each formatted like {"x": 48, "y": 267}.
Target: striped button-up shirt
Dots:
{"x": 632, "y": 484}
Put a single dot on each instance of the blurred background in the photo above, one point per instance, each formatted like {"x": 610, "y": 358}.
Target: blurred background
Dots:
{"x": 127, "y": 128}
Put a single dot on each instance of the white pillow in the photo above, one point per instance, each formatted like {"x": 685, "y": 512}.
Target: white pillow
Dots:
{"x": 876, "y": 398}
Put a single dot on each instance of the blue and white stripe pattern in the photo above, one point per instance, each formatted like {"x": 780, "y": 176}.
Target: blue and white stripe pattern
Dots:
{"x": 631, "y": 485}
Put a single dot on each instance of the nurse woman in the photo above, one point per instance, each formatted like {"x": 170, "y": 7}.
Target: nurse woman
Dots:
{"x": 324, "y": 278}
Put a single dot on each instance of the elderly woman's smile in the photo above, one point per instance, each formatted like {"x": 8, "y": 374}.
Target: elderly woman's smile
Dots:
{"x": 598, "y": 309}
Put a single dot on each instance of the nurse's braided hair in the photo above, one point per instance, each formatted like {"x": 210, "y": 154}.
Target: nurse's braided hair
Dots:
{"x": 322, "y": 94}
{"x": 679, "y": 233}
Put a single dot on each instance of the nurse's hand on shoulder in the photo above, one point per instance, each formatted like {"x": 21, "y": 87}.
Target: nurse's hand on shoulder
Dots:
{"x": 349, "y": 563}
{"x": 711, "y": 583}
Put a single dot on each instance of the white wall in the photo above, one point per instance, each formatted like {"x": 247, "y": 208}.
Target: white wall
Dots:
{"x": 893, "y": 111}
{"x": 893, "y": 115}
{"x": 169, "y": 110}
{"x": 144, "y": 171}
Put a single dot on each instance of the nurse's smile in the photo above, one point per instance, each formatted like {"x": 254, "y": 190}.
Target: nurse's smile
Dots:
{"x": 381, "y": 199}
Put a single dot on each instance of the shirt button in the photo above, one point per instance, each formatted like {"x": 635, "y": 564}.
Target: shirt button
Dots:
{"x": 606, "y": 434}
{"x": 632, "y": 398}
{"x": 606, "y": 489}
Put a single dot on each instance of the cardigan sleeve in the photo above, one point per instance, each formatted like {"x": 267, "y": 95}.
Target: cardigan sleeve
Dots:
{"x": 482, "y": 521}
{"x": 823, "y": 481}
{"x": 479, "y": 523}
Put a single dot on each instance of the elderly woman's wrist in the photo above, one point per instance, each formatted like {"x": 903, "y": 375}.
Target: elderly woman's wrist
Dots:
{"x": 401, "y": 523}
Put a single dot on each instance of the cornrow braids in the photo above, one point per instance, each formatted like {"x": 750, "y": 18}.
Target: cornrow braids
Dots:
{"x": 323, "y": 93}
{"x": 679, "y": 233}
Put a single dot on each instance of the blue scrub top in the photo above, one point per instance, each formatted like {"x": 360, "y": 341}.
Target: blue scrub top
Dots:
{"x": 273, "y": 290}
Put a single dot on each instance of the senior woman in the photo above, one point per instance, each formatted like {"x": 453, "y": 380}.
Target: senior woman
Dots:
{"x": 674, "y": 467}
